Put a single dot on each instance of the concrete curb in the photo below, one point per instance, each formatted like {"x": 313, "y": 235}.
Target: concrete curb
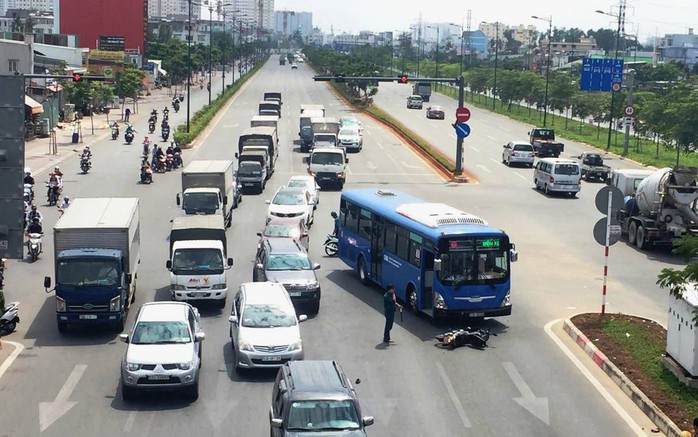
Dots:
{"x": 648, "y": 407}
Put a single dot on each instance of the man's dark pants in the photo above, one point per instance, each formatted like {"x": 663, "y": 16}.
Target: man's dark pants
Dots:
{"x": 389, "y": 318}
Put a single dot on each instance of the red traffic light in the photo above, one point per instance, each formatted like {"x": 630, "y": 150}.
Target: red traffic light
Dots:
{"x": 77, "y": 77}
{"x": 402, "y": 78}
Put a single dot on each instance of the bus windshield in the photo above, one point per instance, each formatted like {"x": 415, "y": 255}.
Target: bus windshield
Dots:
{"x": 469, "y": 261}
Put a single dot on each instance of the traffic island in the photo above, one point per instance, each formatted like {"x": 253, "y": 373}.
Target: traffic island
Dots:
{"x": 630, "y": 350}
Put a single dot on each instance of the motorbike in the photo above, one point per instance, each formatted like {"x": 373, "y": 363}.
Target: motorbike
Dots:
{"x": 85, "y": 164}
{"x": 114, "y": 133}
{"x": 476, "y": 338}
{"x": 146, "y": 148}
{"x": 129, "y": 137}
{"x": 177, "y": 160}
{"x": 151, "y": 126}
{"x": 165, "y": 133}
{"x": 146, "y": 176}
{"x": 331, "y": 245}
{"x": 161, "y": 164}
{"x": 175, "y": 105}
{"x": 28, "y": 193}
{"x": 9, "y": 318}
{"x": 53, "y": 193}
{"x": 34, "y": 246}
{"x": 169, "y": 162}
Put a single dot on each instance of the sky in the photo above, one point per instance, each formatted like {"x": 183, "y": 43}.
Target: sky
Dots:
{"x": 643, "y": 17}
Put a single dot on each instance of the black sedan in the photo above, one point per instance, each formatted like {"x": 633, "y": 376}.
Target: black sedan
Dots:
{"x": 436, "y": 112}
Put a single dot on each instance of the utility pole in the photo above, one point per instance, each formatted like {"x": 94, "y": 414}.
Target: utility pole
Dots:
{"x": 628, "y": 102}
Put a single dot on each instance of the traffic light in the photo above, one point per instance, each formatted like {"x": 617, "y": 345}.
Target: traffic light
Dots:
{"x": 77, "y": 77}
{"x": 402, "y": 78}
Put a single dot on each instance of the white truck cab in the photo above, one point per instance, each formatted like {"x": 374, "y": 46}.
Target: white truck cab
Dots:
{"x": 328, "y": 165}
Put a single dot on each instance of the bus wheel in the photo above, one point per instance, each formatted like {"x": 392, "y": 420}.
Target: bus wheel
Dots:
{"x": 412, "y": 298}
{"x": 363, "y": 275}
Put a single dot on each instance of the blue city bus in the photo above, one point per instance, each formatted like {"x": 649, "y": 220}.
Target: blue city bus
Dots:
{"x": 443, "y": 262}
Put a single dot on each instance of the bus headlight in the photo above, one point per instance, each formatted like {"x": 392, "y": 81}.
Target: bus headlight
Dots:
{"x": 507, "y": 300}
{"x": 439, "y": 302}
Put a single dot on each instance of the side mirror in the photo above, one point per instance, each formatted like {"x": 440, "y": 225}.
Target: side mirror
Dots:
{"x": 259, "y": 234}
{"x": 168, "y": 264}
{"x": 514, "y": 254}
{"x": 199, "y": 336}
{"x": 528, "y": 133}
{"x": 302, "y": 318}
{"x": 237, "y": 155}
{"x": 259, "y": 266}
{"x": 276, "y": 423}
{"x": 230, "y": 262}
{"x": 129, "y": 278}
{"x": 179, "y": 201}
{"x": 233, "y": 319}
{"x": 316, "y": 266}
{"x": 123, "y": 337}
{"x": 346, "y": 160}
{"x": 47, "y": 282}
{"x": 267, "y": 202}
{"x": 437, "y": 265}
{"x": 368, "y": 420}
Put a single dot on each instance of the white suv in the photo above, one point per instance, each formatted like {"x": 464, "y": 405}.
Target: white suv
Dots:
{"x": 164, "y": 350}
{"x": 518, "y": 152}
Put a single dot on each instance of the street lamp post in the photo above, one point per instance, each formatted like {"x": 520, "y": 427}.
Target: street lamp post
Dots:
{"x": 188, "y": 65}
{"x": 210, "y": 50}
{"x": 547, "y": 65}
{"x": 620, "y": 17}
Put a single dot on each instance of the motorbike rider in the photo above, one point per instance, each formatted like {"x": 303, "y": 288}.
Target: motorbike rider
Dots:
{"x": 177, "y": 151}
{"x": 64, "y": 205}
{"x": 146, "y": 145}
{"x": 86, "y": 153}
{"x": 115, "y": 128}
{"x": 335, "y": 216}
{"x": 28, "y": 179}
{"x": 129, "y": 128}
{"x": 35, "y": 214}
{"x": 146, "y": 170}
{"x": 165, "y": 128}
{"x": 35, "y": 227}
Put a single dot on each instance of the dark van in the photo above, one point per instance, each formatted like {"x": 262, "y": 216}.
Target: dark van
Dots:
{"x": 310, "y": 397}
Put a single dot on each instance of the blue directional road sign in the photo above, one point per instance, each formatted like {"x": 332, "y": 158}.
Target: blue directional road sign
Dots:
{"x": 462, "y": 130}
{"x": 600, "y": 74}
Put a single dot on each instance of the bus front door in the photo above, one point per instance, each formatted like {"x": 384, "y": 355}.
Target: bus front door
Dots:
{"x": 428, "y": 282}
{"x": 377, "y": 245}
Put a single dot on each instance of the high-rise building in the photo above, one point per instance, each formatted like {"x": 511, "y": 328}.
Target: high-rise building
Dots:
{"x": 36, "y": 5}
{"x": 166, "y": 8}
{"x": 288, "y": 22}
{"x": 257, "y": 13}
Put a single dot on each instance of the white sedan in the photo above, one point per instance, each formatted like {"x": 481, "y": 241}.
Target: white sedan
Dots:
{"x": 307, "y": 182}
{"x": 292, "y": 203}
{"x": 350, "y": 138}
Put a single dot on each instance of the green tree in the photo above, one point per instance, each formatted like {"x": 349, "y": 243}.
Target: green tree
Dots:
{"x": 605, "y": 39}
{"x": 102, "y": 93}
{"x": 78, "y": 93}
{"x": 512, "y": 45}
{"x": 128, "y": 83}
{"x": 560, "y": 92}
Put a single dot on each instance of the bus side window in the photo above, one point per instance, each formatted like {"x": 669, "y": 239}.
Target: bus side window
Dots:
{"x": 390, "y": 238}
{"x": 352, "y": 218}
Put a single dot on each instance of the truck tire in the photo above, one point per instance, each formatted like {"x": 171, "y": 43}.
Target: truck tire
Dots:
{"x": 363, "y": 273}
{"x": 128, "y": 394}
{"x": 640, "y": 239}
{"x": 62, "y": 327}
{"x": 632, "y": 232}
{"x": 221, "y": 303}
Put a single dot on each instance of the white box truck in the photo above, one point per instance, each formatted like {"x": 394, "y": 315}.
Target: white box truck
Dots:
{"x": 209, "y": 187}
{"x": 96, "y": 253}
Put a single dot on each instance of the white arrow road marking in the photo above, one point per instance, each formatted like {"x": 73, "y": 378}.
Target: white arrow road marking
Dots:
{"x": 520, "y": 175}
{"x": 536, "y": 406}
{"x": 483, "y": 168}
{"x": 637, "y": 429}
{"x": 19, "y": 347}
{"x": 453, "y": 395}
{"x": 130, "y": 420}
{"x": 371, "y": 165}
{"x": 410, "y": 166}
{"x": 49, "y": 412}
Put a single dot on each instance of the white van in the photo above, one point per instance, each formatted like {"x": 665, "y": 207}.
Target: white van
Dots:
{"x": 557, "y": 175}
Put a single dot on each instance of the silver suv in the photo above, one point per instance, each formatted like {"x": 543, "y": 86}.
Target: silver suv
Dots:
{"x": 164, "y": 350}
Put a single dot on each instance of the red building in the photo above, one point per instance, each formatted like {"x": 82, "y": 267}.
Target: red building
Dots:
{"x": 94, "y": 18}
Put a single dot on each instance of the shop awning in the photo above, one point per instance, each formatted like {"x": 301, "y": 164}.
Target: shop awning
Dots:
{"x": 163, "y": 72}
{"x": 34, "y": 105}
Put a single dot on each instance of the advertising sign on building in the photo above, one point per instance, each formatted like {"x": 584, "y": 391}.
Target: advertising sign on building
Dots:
{"x": 112, "y": 43}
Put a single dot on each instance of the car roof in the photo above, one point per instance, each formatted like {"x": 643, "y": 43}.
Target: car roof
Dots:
{"x": 284, "y": 245}
{"x": 291, "y": 190}
{"x": 415, "y": 96}
{"x": 163, "y": 312}
{"x": 265, "y": 292}
{"x": 559, "y": 161}
{"x": 436, "y": 107}
{"x": 317, "y": 377}
{"x": 301, "y": 178}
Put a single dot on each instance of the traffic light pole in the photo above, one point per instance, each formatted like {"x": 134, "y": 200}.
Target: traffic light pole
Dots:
{"x": 404, "y": 79}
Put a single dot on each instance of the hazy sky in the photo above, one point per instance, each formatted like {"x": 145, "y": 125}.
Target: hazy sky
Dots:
{"x": 644, "y": 16}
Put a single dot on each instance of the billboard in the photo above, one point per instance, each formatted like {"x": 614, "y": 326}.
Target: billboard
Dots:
{"x": 112, "y": 43}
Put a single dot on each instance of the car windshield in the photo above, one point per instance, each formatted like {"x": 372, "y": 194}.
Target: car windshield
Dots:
{"x": 282, "y": 230}
{"x": 474, "y": 261}
{"x": 544, "y": 134}
{"x": 593, "y": 159}
{"x": 322, "y": 415}
{"x": 349, "y": 131}
{"x": 161, "y": 333}
{"x": 286, "y": 198}
{"x": 267, "y": 316}
{"x": 190, "y": 261}
{"x": 288, "y": 261}
{"x": 200, "y": 203}
{"x": 436, "y": 108}
{"x": 249, "y": 169}
{"x": 299, "y": 183}
{"x": 567, "y": 169}
{"x": 88, "y": 273}
{"x": 327, "y": 158}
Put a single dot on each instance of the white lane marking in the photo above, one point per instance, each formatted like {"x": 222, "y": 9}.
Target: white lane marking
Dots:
{"x": 495, "y": 161}
{"x": 380, "y": 146}
{"x": 534, "y": 405}
{"x": 637, "y": 429}
{"x": 475, "y": 148}
{"x": 434, "y": 125}
{"x": 371, "y": 165}
{"x": 19, "y": 347}
{"x": 453, "y": 136}
{"x": 453, "y": 395}
{"x": 520, "y": 175}
{"x": 49, "y": 412}
{"x": 391, "y": 174}
{"x": 491, "y": 137}
{"x": 410, "y": 166}
{"x": 129, "y": 421}
{"x": 483, "y": 168}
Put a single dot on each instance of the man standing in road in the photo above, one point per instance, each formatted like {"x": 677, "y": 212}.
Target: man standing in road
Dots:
{"x": 389, "y": 306}
{"x": 127, "y": 114}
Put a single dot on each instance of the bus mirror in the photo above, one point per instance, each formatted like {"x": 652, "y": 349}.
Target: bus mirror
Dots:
{"x": 514, "y": 255}
{"x": 437, "y": 265}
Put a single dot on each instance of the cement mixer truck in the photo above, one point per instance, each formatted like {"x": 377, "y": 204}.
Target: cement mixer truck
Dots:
{"x": 663, "y": 208}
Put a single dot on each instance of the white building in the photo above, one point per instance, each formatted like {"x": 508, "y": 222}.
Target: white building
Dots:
{"x": 166, "y": 8}
{"x": 252, "y": 12}
{"x": 37, "y": 5}
{"x": 293, "y": 21}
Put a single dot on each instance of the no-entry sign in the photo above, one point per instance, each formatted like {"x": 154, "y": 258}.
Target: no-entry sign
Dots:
{"x": 462, "y": 114}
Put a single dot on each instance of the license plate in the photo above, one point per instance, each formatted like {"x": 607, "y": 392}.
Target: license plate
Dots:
{"x": 199, "y": 293}
{"x": 272, "y": 358}
{"x": 326, "y": 179}
{"x": 294, "y": 294}
{"x": 477, "y": 314}
{"x": 248, "y": 184}
{"x": 158, "y": 377}
{"x": 88, "y": 317}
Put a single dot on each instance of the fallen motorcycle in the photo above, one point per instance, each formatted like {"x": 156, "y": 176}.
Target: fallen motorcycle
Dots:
{"x": 9, "y": 318}
{"x": 476, "y": 338}
{"x": 331, "y": 245}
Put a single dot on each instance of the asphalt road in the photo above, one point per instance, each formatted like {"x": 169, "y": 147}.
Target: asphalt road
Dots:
{"x": 521, "y": 385}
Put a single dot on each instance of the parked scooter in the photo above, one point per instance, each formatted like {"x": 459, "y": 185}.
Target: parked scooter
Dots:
{"x": 9, "y": 318}
{"x": 34, "y": 246}
{"x": 331, "y": 245}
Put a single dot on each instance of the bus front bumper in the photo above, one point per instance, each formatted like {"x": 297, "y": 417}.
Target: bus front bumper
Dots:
{"x": 471, "y": 314}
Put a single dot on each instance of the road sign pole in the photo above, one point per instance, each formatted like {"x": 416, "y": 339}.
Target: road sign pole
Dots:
{"x": 459, "y": 141}
{"x": 629, "y": 102}
{"x": 605, "y": 257}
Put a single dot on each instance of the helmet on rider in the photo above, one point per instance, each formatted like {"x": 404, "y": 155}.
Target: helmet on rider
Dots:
{"x": 33, "y": 207}
{"x": 35, "y": 220}
{"x": 66, "y": 198}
